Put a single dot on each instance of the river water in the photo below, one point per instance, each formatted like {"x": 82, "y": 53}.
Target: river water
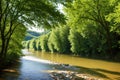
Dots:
{"x": 29, "y": 68}
{"x": 34, "y": 65}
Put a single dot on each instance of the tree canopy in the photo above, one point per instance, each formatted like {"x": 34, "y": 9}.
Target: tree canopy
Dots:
{"x": 15, "y": 14}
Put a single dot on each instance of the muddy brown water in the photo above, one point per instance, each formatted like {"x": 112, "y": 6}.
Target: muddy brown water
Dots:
{"x": 35, "y": 63}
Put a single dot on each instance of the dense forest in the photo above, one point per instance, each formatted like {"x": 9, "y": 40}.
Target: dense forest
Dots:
{"x": 92, "y": 30}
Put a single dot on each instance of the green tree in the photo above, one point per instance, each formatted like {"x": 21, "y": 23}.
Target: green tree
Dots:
{"x": 58, "y": 40}
{"x": 43, "y": 42}
{"x": 27, "y": 46}
{"x": 32, "y": 44}
{"x": 38, "y": 44}
{"x": 81, "y": 13}
{"x": 15, "y": 46}
{"x": 14, "y": 13}
{"x": 76, "y": 41}
{"x": 55, "y": 37}
{"x": 65, "y": 44}
{"x": 51, "y": 42}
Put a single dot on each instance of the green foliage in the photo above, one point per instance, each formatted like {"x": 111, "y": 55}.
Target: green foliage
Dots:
{"x": 15, "y": 45}
{"x": 58, "y": 40}
{"x": 38, "y": 44}
{"x": 93, "y": 30}
{"x": 51, "y": 40}
{"x": 64, "y": 33}
{"x": 27, "y": 44}
{"x": 32, "y": 44}
{"x": 15, "y": 14}
{"x": 114, "y": 18}
{"x": 43, "y": 42}
{"x": 45, "y": 13}
{"x": 76, "y": 41}
{"x": 95, "y": 22}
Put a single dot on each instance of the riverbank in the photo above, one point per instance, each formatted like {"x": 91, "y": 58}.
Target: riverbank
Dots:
{"x": 70, "y": 75}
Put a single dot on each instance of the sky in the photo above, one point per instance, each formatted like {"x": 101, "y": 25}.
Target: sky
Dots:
{"x": 36, "y": 29}
{"x": 60, "y": 7}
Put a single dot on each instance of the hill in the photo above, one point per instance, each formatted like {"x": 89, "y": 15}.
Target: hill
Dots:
{"x": 31, "y": 34}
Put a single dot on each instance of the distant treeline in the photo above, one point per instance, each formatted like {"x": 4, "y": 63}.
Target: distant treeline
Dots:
{"x": 31, "y": 34}
{"x": 68, "y": 40}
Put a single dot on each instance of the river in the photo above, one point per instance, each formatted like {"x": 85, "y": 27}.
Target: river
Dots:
{"x": 34, "y": 65}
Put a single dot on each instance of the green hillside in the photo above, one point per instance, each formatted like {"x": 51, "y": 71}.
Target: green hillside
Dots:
{"x": 31, "y": 34}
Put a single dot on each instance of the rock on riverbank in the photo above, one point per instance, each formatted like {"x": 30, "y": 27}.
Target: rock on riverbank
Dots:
{"x": 69, "y": 75}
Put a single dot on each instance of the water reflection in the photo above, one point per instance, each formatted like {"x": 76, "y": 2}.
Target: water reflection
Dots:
{"x": 12, "y": 73}
{"x": 32, "y": 70}
{"x": 31, "y": 58}
{"x": 29, "y": 68}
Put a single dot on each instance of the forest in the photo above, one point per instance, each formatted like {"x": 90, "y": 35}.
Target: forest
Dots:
{"x": 92, "y": 30}
{"x": 87, "y": 28}
{"x": 16, "y": 16}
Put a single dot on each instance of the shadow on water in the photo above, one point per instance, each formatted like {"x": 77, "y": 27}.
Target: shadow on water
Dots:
{"x": 98, "y": 72}
{"x": 110, "y": 72}
{"x": 106, "y": 71}
{"x": 91, "y": 72}
{"x": 11, "y": 72}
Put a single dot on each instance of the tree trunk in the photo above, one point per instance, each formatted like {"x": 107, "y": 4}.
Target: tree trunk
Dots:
{"x": 109, "y": 42}
{"x": 2, "y": 60}
{"x": 4, "y": 49}
{"x": 105, "y": 25}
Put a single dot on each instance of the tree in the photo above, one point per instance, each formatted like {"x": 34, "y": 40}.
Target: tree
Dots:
{"x": 58, "y": 40}
{"x": 51, "y": 41}
{"x": 76, "y": 41}
{"x": 43, "y": 42}
{"x": 19, "y": 13}
{"x": 32, "y": 44}
{"x": 55, "y": 39}
{"x": 81, "y": 13}
{"x": 38, "y": 44}
{"x": 64, "y": 33}
{"x": 15, "y": 46}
